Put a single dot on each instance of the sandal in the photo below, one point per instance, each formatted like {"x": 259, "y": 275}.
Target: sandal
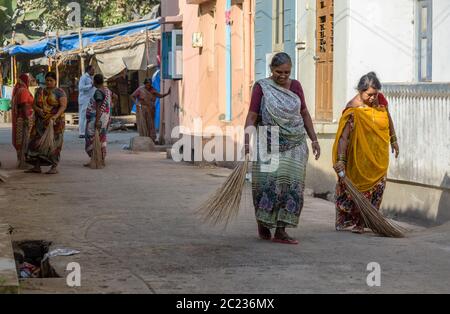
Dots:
{"x": 285, "y": 240}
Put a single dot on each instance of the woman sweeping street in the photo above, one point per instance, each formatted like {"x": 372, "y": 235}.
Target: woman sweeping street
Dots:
{"x": 22, "y": 118}
{"x": 144, "y": 97}
{"x": 278, "y": 101}
{"x": 50, "y": 104}
{"x": 361, "y": 150}
{"x": 98, "y": 117}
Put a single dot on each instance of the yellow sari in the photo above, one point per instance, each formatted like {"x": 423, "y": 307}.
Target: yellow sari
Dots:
{"x": 368, "y": 149}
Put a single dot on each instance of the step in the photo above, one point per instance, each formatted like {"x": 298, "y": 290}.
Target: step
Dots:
{"x": 9, "y": 282}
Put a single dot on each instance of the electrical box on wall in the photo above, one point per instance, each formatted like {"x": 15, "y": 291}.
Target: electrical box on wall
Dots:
{"x": 197, "y": 40}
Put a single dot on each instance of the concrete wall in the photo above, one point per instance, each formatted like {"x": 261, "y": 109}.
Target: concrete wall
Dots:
{"x": 420, "y": 176}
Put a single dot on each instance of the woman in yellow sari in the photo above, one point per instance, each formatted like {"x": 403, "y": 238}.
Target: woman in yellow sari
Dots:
{"x": 361, "y": 151}
{"x": 50, "y": 104}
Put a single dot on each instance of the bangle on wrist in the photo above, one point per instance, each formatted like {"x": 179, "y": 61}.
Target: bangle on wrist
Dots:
{"x": 342, "y": 158}
{"x": 393, "y": 139}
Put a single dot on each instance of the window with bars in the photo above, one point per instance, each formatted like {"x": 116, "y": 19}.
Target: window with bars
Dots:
{"x": 278, "y": 25}
{"x": 424, "y": 40}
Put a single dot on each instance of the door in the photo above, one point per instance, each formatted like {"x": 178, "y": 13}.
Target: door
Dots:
{"x": 324, "y": 60}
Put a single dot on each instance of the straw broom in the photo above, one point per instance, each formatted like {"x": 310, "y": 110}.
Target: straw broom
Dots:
{"x": 47, "y": 142}
{"x": 97, "y": 155}
{"x": 223, "y": 205}
{"x": 372, "y": 217}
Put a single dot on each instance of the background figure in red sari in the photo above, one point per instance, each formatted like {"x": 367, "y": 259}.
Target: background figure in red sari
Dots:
{"x": 145, "y": 97}
{"x": 50, "y": 104}
{"x": 22, "y": 118}
{"x": 98, "y": 116}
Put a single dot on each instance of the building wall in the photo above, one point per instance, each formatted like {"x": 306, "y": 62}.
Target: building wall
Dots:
{"x": 381, "y": 39}
{"x": 441, "y": 41}
{"x": 380, "y": 36}
{"x": 263, "y": 34}
{"x": 421, "y": 113}
{"x": 204, "y": 69}
{"x": 306, "y": 50}
{"x": 170, "y": 105}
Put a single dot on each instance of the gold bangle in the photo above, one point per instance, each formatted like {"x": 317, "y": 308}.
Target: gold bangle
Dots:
{"x": 342, "y": 158}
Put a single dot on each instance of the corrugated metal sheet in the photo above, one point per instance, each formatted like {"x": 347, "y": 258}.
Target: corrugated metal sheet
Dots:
{"x": 421, "y": 115}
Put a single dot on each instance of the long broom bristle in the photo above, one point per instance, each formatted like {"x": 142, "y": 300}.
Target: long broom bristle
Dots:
{"x": 47, "y": 141}
{"x": 372, "y": 216}
{"x": 224, "y": 204}
{"x": 97, "y": 155}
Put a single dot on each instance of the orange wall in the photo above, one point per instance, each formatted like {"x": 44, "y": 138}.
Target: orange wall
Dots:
{"x": 204, "y": 81}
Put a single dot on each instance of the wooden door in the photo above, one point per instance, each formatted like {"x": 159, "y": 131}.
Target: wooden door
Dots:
{"x": 324, "y": 60}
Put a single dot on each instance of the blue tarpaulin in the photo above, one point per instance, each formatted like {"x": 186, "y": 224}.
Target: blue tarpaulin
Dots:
{"x": 71, "y": 42}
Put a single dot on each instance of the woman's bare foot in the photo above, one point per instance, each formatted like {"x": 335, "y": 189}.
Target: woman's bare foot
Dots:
{"x": 264, "y": 232}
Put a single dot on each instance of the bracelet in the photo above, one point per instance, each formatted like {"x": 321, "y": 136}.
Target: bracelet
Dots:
{"x": 393, "y": 139}
{"x": 315, "y": 142}
{"x": 342, "y": 158}
{"x": 392, "y": 143}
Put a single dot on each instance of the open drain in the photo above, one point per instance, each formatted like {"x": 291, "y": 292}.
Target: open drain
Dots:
{"x": 31, "y": 261}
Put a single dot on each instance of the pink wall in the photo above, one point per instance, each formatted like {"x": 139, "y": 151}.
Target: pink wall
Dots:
{"x": 203, "y": 88}
{"x": 204, "y": 68}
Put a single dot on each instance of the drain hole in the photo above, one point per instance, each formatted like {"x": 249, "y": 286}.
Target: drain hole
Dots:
{"x": 30, "y": 262}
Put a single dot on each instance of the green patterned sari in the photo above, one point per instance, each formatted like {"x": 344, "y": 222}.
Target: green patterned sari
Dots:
{"x": 278, "y": 182}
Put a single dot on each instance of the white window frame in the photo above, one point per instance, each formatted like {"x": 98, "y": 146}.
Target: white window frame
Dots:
{"x": 428, "y": 35}
{"x": 176, "y": 56}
